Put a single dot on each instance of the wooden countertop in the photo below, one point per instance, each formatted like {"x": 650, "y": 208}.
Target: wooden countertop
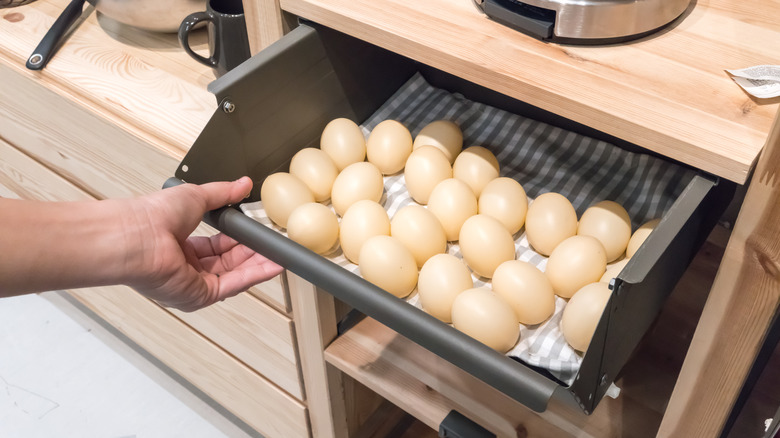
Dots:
{"x": 668, "y": 92}
{"x": 144, "y": 81}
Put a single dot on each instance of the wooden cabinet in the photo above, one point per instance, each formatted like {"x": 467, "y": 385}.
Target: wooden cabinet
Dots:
{"x": 111, "y": 116}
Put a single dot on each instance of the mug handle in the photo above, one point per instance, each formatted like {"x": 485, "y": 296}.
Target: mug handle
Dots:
{"x": 184, "y": 36}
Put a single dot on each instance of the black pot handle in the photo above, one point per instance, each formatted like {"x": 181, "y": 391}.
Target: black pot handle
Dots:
{"x": 51, "y": 41}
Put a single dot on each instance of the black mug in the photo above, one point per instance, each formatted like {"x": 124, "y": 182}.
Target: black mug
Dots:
{"x": 228, "y": 40}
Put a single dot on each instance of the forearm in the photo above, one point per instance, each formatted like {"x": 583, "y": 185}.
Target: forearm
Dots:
{"x": 48, "y": 246}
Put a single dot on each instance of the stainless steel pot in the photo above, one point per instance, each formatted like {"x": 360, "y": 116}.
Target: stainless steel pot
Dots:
{"x": 151, "y": 15}
{"x": 585, "y": 21}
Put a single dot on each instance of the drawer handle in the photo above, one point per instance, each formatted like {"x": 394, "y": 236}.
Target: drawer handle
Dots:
{"x": 457, "y": 425}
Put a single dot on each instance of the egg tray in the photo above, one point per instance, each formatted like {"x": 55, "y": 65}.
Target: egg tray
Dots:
{"x": 535, "y": 154}
{"x": 283, "y": 97}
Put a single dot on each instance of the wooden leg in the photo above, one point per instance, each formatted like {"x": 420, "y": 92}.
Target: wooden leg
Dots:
{"x": 742, "y": 303}
{"x": 315, "y": 327}
{"x": 265, "y": 23}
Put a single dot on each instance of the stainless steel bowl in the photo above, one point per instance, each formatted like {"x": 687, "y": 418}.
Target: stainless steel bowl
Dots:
{"x": 152, "y": 15}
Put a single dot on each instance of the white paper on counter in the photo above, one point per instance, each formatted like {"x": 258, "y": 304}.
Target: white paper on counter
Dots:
{"x": 762, "y": 81}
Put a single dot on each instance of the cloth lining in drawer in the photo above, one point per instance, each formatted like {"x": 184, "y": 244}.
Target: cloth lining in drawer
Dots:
{"x": 542, "y": 158}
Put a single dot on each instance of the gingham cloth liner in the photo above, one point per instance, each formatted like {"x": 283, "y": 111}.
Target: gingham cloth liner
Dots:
{"x": 542, "y": 158}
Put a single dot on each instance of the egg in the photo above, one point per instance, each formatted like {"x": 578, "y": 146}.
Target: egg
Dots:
{"x": 476, "y": 166}
{"x": 344, "y": 142}
{"x": 550, "y": 220}
{"x": 363, "y": 220}
{"x": 485, "y": 244}
{"x": 486, "y": 317}
{"x": 357, "y": 181}
{"x": 526, "y": 289}
{"x": 582, "y": 314}
{"x": 281, "y": 193}
{"x": 575, "y": 262}
{"x": 607, "y": 221}
{"x": 420, "y": 231}
{"x": 452, "y": 202}
{"x": 426, "y": 167}
{"x": 639, "y": 236}
{"x": 314, "y": 226}
{"x": 613, "y": 270}
{"x": 387, "y": 263}
{"x": 504, "y": 199}
{"x": 442, "y": 278}
{"x": 442, "y": 134}
{"x": 388, "y": 146}
{"x": 315, "y": 168}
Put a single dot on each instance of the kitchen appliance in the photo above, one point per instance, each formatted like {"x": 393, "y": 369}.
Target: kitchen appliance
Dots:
{"x": 585, "y": 21}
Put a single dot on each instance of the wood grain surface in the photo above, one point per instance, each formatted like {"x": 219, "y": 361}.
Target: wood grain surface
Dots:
{"x": 142, "y": 80}
{"x": 667, "y": 92}
{"x": 743, "y": 303}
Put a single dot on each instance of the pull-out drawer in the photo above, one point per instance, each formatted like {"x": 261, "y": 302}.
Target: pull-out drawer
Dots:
{"x": 279, "y": 101}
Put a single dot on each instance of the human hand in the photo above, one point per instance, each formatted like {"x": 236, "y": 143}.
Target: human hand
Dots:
{"x": 184, "y": 272}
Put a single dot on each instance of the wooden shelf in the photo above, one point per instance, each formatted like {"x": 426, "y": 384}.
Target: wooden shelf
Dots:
{"x": 668, "y": 92}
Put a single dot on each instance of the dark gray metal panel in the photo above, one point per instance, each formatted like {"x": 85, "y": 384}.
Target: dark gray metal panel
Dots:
{"x": 641, "y": 289}
{"x": 282, "y": 98}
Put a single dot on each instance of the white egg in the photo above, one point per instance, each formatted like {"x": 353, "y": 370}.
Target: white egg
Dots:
{"x": 526, "y": 289}
{"x": 639, "y": 236}
{"x": 486, "y": 317}
{"x": 550, "y": 220}
{"x": 387, "y": 263}
{"x": 577, "y": 261}
{"x": 426, "y": 167}
{"x": 607, "y": 221}
{"x": 356, "y": 182}
{"x": 613, "y": 270}
{"x": 504, "y": 199}
{"x": 420, "y": 231}
{"x": 315, "y": 168}
{"x": 314, "y": 226}
{"x": 485, "y": 244}
{"x": 476, "y": 166}
{"x": 281, "y": 193}
{"x": 363, "y": 220}
{"x": 442, "y": 134}
{"x": 452, "y": 202}
{"x": 344, "y": 142}
{"x": 442, "y": 278}
{"x": 582, "y": 314}
{"x": 388, "y": 146}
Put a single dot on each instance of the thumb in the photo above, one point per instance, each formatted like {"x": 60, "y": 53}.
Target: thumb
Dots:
{"x": 219, "y": 194}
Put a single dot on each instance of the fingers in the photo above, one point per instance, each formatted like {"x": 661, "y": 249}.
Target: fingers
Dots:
{"x": 211, "y": 246}
{"x": 219, "y": 194}
{"x": 240, "y": 279}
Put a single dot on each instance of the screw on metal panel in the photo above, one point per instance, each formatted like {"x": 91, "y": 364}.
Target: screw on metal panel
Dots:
{"x": 228, "y": 106}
